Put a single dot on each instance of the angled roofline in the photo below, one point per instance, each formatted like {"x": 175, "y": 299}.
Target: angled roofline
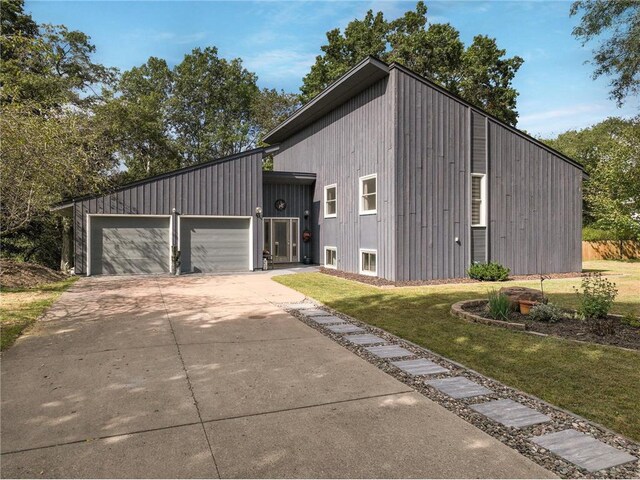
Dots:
{"x": 435, "y": 86}
{"x": 68, "y": 203}
{"x": 364, "y": 74}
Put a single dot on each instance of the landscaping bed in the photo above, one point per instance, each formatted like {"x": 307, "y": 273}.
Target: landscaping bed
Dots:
{"x": 625, "y": 335}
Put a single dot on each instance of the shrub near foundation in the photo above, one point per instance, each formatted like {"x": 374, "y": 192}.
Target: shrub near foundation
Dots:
{"x": 489, "y": 272}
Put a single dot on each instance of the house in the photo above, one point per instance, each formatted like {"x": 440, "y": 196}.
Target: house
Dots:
{"x": 384, "y": 173}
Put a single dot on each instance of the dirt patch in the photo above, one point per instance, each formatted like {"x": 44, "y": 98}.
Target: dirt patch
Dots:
{"x": 25, "y": 275}
{"x": 569, "y": 327}
{"x": 381, "y": 282}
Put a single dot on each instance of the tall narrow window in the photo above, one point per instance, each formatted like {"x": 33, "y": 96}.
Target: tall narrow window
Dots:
{"x": 368, "y": 262}
{"x": 330, "y": 257}
{"x": 368, "y": 194}
{"x": 330, "y": 201}
{"x": 478, "y": 203}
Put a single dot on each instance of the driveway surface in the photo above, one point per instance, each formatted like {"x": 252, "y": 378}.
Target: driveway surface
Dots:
{"x": 203, "y": 376}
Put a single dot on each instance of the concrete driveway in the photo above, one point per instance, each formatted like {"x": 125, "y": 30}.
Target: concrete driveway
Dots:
{"x": 202, "y": 376}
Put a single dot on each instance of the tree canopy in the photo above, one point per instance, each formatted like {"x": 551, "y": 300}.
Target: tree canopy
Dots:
{"x": 480, "y": 73}
{"x": 616, "y": 23}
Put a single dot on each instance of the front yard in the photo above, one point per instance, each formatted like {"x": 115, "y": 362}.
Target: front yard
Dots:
{"x": 598, "y": 382}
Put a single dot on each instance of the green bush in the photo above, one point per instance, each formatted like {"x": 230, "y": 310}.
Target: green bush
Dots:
{"x": 593, "y": 234}
{"x": 596, "y": 297}
{"x": 499, "y": 305}
{"x": 546, "y": 312}
{"x": 492, "y": 272}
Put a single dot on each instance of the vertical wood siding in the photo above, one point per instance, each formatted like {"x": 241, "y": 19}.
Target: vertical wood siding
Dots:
{"x": 231, "y": 187}
{"x": 432, "y": 183}
{"x": 353, "y": 140}
{"x": 299, "y": 198}
{"x": 535, "y": 206}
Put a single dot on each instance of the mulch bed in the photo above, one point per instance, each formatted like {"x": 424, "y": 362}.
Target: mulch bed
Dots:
{"x": 25, "y": 275}
{"x": 381, "y": 282}
{"x": 625, "y": 335}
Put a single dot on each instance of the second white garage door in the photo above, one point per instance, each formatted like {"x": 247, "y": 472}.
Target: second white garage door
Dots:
{"x": 211, "y": 245}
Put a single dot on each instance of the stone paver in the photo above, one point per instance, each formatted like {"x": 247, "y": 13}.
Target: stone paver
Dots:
{"x": 583, "y": 450}
{"x": 314, "y": 312}
{"x": 347, "y": 328}
{"x": 389, "y": 351}
{"x": 366, "y": 339}
{"x": 510, "y": 413}
{"x": 328, "y": 320}
{"x": 458, "y": 387}
{"x": 420, "y": 366}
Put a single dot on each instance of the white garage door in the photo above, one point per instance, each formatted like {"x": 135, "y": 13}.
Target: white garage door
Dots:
{"x": 210, "y": 245}
{"x": 122, "y": 245}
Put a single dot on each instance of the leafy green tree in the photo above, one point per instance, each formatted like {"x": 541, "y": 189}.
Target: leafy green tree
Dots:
{"x": 617, "y": 24}
{"x": 479, "y": 73}
{"x": 610, "y": 152}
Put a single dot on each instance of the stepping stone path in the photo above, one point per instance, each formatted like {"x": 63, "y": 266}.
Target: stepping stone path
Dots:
{"x": 314, "y": 312}
{"x": 327, "y": 320}
{"x": 389, "y": 351}
{"x": 510, "y": 413}
{"x": 301, "y": 306}
{"x": 583, "y": 450}
{"x": 346, "y": 328}
{"x": 458, "y": 387}
{"x": 420, "y": 366}
{"x": 366, "y": 339}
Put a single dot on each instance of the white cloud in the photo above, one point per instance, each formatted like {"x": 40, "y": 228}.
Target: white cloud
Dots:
{"x": 279, "y": 65}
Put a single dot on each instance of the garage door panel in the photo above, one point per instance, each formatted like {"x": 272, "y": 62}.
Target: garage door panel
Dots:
{"x": 210, "y": 245}
{"x": 129, "y": 245}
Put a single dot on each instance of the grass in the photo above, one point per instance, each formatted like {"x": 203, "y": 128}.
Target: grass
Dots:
{"x": 20, "y": 307}
{"x": 598, "y": 382}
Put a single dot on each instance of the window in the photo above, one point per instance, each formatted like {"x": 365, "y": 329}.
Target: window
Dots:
{"x": 330, "y": 257}
{"x": 368, "y": 262}
{"x": 478, "y": 203}
{"x": 331, "y": 201}
{"x": 368, "y": 194}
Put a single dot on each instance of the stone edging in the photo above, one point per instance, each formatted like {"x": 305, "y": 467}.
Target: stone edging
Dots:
{"x": 457, "y": 310}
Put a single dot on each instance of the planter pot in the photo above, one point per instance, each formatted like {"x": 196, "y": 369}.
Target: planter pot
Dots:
{"x": 525, "y": 306}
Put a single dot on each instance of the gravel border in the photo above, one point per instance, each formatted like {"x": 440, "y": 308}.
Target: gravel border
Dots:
{"x": 516, "y": 438}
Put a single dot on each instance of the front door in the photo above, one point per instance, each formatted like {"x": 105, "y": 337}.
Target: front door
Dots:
{"x": 281, "y": 239}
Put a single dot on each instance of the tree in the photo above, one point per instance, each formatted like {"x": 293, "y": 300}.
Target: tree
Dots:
{"x": 617, "y": 23}
{"x": 610, "y": 152}
{"x": 479, "y": 73}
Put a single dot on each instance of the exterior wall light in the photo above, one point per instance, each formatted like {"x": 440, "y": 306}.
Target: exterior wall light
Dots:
{"x": 259, "y": 212}
{"x": 306, "y": 214}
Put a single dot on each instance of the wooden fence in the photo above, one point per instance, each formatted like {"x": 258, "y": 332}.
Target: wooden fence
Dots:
{"x": 611, "y": 250}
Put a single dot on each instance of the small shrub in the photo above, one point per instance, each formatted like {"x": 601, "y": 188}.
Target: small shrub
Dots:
{"x": 492, "y": 272}
{"x": 546, "y": 313}
{"x": 631, "y": 320}
{"x": 596, "y": 297}
{"x": 499, "y": 306}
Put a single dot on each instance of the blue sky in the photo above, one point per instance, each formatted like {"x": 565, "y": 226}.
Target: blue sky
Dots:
{"x": 280, "y": 39}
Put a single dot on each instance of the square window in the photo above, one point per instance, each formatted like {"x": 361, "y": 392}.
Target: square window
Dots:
{"x": 330, "y": 257}
{"x": 368, "y": 194}
{"x": 330, "y": 201}
{"x": 368, "y": 262}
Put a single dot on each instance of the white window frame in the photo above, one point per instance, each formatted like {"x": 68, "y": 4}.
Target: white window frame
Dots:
{"x": 360, "y": 194}
{"x": 333, "y": 249}
{"x": 483, "y": 200}
{"x": 368, "y": 272}
{"x": 326, "y": 214}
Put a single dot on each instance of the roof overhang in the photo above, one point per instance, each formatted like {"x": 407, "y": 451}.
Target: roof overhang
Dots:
{"x": 363, "y": 75}
{"x": 289, "y": 178}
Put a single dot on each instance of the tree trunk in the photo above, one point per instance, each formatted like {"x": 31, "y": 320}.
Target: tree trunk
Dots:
{"x": 66, "y": 259}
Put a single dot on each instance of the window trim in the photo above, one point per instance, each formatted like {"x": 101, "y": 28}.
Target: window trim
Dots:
{"x": 334, "y": 249}
{"x": 483, "y": 200}
{"x": 361, "y": 198}
{"x": 368, "y": 272}
{"x": 327, "y": 187}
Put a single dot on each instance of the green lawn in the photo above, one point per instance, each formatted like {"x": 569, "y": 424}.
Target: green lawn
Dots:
{"x": 598, "y": 382}
{"x": 20, "y": 307}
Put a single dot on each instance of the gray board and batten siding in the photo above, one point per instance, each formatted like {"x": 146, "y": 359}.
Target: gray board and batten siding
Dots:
{"x": 230, "y": 186}
{"x": 424, "y": 143}
{"x": 353, "y": 140}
